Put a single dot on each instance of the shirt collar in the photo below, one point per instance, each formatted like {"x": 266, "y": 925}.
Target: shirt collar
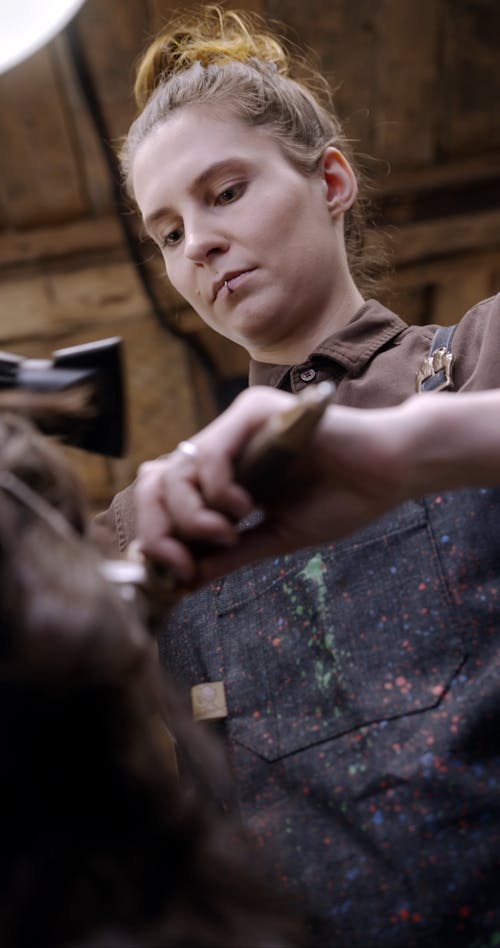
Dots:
{"x": 352, "y": 346}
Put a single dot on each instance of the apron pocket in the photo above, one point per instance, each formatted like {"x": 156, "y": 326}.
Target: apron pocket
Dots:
{"x": 337, "y": 637}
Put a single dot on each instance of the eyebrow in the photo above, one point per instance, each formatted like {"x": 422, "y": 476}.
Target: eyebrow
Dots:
{"x": 198, "y": 182}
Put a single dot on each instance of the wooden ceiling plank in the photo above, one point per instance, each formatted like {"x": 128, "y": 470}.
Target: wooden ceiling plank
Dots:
{"x": 447, "y": 268}
{"x": 78, "y": 237}
{"x": 112, "y": 35}
{"x": 321, "y": 29}
{"x": 50, "y": 305}
{"x": 39, "y": 178}
{"x": 468, "y": 117}
{"x": 462, "y": 171}
{"x": 405, "y": 80}
{"x": 447, "y": 236}
{"x": 453, "y": 297}
{"x": 96, "y": 184}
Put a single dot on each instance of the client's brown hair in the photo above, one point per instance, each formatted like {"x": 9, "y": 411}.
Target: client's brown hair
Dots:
{"x": 102, "y": 844}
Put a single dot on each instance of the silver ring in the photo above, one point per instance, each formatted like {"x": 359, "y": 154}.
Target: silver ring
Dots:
{"x": 187, "y": 448}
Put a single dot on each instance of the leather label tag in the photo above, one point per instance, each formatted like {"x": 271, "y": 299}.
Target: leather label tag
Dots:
{"x": 209, "y": 701}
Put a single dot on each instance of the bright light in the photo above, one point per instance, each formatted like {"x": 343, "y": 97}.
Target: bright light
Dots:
{"x": 25, "y": 25}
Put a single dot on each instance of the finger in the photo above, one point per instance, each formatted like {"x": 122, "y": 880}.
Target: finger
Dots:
{"x": 166, "y": 495}
{"x": 173, "y": 554}
{"x": 152, "y": 520}
{"x": 169, "y": 503}
{"x": 222, "y": 442}
{"x": 189, "y": 515}
{"x": 221, "y": 492}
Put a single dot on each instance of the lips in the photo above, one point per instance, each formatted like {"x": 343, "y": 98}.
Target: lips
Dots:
{"x": 226, "y": 279}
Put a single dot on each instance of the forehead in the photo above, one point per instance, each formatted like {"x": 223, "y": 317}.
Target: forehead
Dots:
{"x": 190, "y": 141}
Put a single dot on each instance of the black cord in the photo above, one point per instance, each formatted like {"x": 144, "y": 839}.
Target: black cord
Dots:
{"x": 89, "y": 91}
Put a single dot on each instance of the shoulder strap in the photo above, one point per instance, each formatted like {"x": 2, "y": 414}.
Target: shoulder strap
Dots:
{"x": 434, "y": 374}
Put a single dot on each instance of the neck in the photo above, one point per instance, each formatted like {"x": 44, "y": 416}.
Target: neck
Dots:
{"x": 297, "y": 349}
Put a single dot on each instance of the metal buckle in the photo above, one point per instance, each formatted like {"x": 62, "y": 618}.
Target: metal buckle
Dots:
{"x": 441, "y": 361}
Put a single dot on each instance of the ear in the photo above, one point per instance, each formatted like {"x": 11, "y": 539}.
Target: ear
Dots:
{"x": 340, "y": 180}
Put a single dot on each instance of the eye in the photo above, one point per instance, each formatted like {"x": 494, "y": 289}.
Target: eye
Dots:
{"x": 230, "y": 194}
{"x": 171, "y": 238}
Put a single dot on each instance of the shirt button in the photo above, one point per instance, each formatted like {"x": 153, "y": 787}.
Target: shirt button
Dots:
{"x": 308, "y": 375}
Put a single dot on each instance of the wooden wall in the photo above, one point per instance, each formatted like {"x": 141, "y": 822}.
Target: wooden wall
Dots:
{"x": 418, "y": 86}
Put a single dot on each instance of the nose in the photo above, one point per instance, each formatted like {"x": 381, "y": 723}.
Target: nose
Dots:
{"x": 202, "y": 240}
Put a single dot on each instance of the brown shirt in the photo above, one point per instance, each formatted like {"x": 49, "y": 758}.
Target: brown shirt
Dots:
{"x": 375, "y": 358}
{"x": 374, "y": 361}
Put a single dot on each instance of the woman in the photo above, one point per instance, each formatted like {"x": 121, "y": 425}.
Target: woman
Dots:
{"x": 359, "y": 676}
{"x": 103, "y": 841}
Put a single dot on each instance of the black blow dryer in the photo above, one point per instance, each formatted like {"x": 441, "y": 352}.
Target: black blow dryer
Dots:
{"x": 96, "y": 369}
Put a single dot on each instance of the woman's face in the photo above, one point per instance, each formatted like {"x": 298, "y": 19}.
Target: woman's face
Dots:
{"x": 246, "y": 239}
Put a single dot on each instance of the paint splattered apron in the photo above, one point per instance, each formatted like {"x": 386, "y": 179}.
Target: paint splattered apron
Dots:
{"x": 362, "y": 687}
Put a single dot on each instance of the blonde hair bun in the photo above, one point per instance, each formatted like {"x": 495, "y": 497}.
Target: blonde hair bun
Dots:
{"x": 208, "y": 35}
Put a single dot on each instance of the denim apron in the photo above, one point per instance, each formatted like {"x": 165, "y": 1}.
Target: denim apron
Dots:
{"x": 361, "y": 680}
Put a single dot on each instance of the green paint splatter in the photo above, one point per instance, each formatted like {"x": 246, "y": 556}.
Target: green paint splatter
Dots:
{"x": 322, "y": 673}
{"x": 323, "y": 643}
{"x": 314, "y": 572}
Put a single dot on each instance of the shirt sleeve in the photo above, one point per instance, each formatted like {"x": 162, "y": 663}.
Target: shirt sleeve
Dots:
{"x": 476, "y": 348}
{"x": 113, "y": 529}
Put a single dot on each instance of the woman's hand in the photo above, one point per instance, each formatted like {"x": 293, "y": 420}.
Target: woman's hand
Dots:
{"x": 187, "y": 501}
{"x": 188, "y": 507}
